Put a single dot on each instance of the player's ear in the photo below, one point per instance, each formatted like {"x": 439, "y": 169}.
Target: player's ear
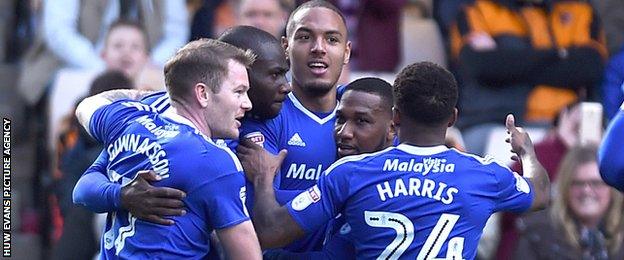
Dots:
{"x": 347, "y": 56}
{"x": 453, "y": 118}
{"x": 201, "y": 94}
{"x": 396, "y": 117}
{"x": 391, "y": 131}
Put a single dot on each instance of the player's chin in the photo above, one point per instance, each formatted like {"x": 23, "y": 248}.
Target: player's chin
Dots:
{"x": 275, "y": 109}
{"x": 231, "y": 133}
{"x": 320, "y": 86}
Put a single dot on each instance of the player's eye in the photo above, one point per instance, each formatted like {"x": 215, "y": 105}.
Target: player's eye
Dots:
{"x": 302, "y": 37}
{"x": 363, "y": 121}
{"x": 339, "y": 120}
{"x": 333, "y": 39}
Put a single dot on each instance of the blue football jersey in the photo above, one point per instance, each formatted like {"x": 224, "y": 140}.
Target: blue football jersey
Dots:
{"x": 412, "y": 202}
{"x": 610, "y": 152}
{"x": 309, "y": 140}
{"x": 137, "y": 138}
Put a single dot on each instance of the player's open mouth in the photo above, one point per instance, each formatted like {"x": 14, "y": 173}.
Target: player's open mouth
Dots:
{"x": 318, "y": 67}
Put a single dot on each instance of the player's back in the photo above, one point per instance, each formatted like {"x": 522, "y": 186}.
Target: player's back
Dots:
{"x": 415, "y": 202}
{"x": 141, "y": 139}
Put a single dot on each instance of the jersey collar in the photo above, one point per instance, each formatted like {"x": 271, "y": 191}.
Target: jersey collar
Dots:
{"x": 309, "y": 113}
{"x": 171, "y": 114}
{"x": 419, "y": 150}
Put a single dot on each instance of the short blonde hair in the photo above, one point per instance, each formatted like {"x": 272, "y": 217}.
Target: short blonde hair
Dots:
{"x": 202, "y": 61}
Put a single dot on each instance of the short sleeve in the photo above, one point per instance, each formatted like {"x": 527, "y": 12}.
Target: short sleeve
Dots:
{"x": 314, "y": 207}
{"x": 263, "y": 133}
{"x": 515, "y": 193}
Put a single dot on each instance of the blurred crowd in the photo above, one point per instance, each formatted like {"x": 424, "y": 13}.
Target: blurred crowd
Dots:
{"x": 542, "y": 60}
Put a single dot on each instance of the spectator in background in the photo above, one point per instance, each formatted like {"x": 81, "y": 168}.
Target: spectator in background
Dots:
{"x": 76, "y": 150}
{"x": 203, "y": 22}
{"x": 374, "y": 29}
{"x": 268, "y": 15}
{"x": 585, "y": 220}
{"x": 444, "y": 13}
{"x": 74, "y": 32}
{"x": 611, "y": 13}
{"x": 126, "y": 48}
{"x": 613, "y": 84}
{"x": 524, "y": 57}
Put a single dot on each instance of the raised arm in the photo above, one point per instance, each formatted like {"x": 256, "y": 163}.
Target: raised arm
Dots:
{"x": 89, "y": 105}
{"x": 274, "y": 225}
{"x": 532, "y": 169}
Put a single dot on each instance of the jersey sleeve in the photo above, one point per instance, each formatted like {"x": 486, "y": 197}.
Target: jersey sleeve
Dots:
{"x": 514, "y": 192}
{"x": 610, "y": 153}
{"x": 263, "y": 133}
{"x": 314, "y": 207}
{"x": 266, "y": 134}
{"x": 95, "y": 191}
{"x": 109, "y": 120}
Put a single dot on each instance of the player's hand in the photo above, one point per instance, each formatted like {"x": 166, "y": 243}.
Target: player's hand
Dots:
{"x": 257, "y": 162}
{"x": 518, "y": 138}
{"x": 150, "y": 203}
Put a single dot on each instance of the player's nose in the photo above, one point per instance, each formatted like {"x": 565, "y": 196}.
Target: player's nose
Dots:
{"x": 285, "y": 87}
{"x": 318, "y": 46}
{"x": 246, "y": 103}
{"x": 344, "y": 131}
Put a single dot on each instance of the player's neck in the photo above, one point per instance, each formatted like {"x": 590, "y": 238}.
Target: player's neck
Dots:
{"x": 421, "y": 135}
{"x": 193, "y": 115}
{"x": 314, "y": 102}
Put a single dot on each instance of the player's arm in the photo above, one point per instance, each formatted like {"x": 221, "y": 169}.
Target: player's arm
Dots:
{"x": 533, "y": 170}
{"x": 221, "y": 200}
{"x": 94, "y": 191}
{"x": 97, "y": 193}
{"x": 611, "y": 152}
{"x": 88, "y": 106}
{"x": 240, "y": 241}
{"x": 274, "y": 225}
